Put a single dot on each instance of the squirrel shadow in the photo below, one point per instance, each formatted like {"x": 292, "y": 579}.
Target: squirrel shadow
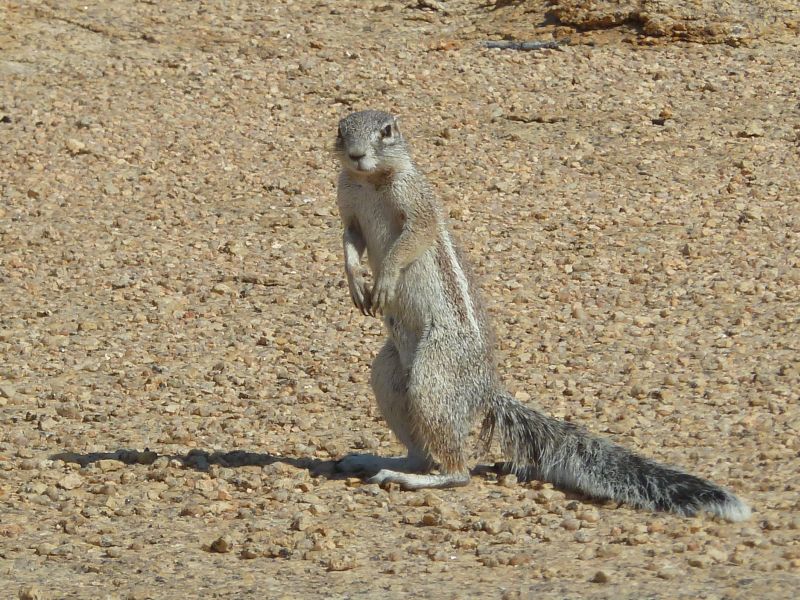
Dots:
{"x": 202, "y": 460}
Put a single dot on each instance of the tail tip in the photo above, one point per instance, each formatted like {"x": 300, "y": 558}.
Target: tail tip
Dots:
{"x": 731, "y": 509}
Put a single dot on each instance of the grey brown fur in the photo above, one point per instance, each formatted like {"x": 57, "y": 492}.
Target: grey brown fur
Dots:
{"x": 436, "y": 375}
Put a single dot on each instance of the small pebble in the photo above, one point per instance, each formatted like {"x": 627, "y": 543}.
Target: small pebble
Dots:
{"x": 32, "y": 592}
{"x": 221, "y": 545}
{"x": 601, "y": 577}
{"x": 71, "y": 481}
{"x": 669, "y": 572}
{"x": 571, "y": 524}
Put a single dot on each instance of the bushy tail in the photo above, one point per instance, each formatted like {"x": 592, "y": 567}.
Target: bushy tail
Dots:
{"x": 568, "y": 457}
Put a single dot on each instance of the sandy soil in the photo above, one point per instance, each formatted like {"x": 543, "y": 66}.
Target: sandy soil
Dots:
{"x": 180, "y": 364}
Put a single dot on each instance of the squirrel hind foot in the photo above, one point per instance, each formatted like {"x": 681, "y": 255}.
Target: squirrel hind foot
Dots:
{"x": 413, "y": 481}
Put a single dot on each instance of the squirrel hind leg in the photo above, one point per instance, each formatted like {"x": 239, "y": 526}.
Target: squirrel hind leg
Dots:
{"x": 441, "y": 408}
{"x": 389, "y": 382}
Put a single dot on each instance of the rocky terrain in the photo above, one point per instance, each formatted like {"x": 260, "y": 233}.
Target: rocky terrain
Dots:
{"x": 180, "y": 364}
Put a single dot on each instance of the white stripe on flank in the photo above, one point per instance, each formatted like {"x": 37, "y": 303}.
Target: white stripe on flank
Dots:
{"x": 461, "y": 280}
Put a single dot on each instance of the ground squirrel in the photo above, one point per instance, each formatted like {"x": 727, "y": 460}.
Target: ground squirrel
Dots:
{"x": 436, "y": 375}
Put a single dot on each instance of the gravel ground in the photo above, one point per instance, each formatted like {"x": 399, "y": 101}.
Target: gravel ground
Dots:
{"x": 180, "y": 364}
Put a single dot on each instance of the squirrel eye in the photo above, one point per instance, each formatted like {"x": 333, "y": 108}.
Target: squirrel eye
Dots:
{"x": 386, "y": 131}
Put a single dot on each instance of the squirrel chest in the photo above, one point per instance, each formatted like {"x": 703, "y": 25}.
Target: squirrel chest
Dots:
{"x": 378, "y": 213}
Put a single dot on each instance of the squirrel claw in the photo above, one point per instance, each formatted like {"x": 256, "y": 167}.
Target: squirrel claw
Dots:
{"x": 362, "y": 298}
{"x": 383, "y": 293}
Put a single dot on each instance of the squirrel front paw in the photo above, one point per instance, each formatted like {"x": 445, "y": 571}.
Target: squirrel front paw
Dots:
{"x": 384, "y": 291}
{"x": 361, "y": 296}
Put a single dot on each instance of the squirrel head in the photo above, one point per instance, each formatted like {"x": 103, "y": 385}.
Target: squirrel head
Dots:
{"x": 369, "y": 143}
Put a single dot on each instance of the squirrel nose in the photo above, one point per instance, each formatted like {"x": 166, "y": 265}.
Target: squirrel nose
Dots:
{"x": 357, "y": 155}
